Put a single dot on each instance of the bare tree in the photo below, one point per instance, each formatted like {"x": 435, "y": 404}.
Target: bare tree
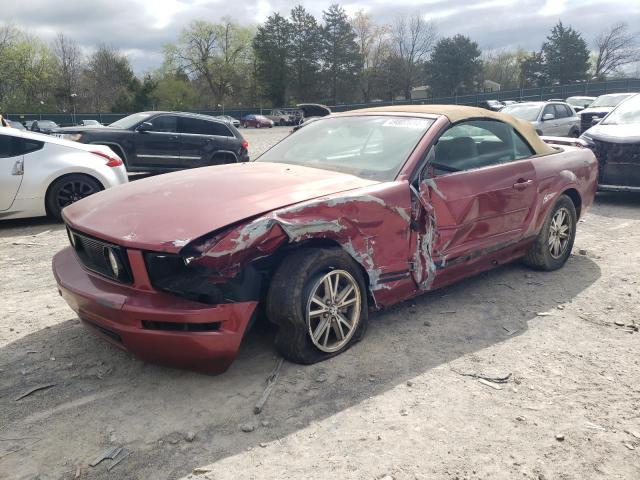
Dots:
{"x": 373, "y": 46}
{"x": 413, "y": 38}
{"x": 69, "y": 65}
{"x": 616, "y": 47}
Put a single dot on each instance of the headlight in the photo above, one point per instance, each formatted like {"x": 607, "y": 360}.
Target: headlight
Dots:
{"x": 113, "y": 262}
{"x": 74, "y": 137}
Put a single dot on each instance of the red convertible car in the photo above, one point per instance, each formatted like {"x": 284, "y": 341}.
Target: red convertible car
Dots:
{"x": 356, "y": 211}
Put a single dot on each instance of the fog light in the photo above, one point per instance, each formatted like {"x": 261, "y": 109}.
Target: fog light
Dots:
{"x": 113, "y": 262}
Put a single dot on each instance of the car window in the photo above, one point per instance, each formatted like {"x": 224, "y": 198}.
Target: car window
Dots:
{"x": 476, "y": 144}
{"x": 525, "y": 111}
{"x": 6, "y": 146}
{"x": 560, "y": 111}
{"x": 219, "y": 129}
{"x": 202, "y": 127}
{"x": 549, "y": 109}
{"x": 163, "y": 123}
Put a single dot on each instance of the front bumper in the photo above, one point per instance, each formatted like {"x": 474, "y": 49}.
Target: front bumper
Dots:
{"x": 120, "y": 314}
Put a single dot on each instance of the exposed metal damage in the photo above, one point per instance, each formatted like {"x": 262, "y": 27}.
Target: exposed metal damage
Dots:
{"x": 352, "y": 221}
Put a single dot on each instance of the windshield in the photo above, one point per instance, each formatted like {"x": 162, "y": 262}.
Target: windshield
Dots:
{"x": 130, "y": 121}
{"x": 625, "y": 114}
{"x": 579, "y": 101}
{"x": 524, "y": 111}
{"x": 373, "y": 147}
{"x": 609, "y": 100}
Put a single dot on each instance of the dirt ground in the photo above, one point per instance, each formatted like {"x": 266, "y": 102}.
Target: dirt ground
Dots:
{"x": 397, "y": 405}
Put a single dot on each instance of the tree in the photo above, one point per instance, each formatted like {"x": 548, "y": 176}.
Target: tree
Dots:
{"x": 533, "y": 70}
{"x": 413, "y": 39}
{"x": 69, "y": 68}
{"x": 454, "y": 66}
{"x": 615, "y": 48}
{"x": 340, "y": 54}
{"x": 271, "y": 47}
{"x": 108, "y": 79}
{"x": 373, "y": 48}
{"x": 211, "y": 52}
{"x": 305, "y": 50}
{"x": 566, "y": 55}
{"x": 503, "y": 66}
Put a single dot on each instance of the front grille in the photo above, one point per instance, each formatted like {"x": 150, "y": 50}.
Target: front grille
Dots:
{"x": 93, "y": 255}
{"x": 619, "y": 163}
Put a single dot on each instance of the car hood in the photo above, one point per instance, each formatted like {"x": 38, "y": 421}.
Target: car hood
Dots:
{"x": 598, "y": 110}
{"x": 615, "y": 133}
{"x": 166, "y": 212}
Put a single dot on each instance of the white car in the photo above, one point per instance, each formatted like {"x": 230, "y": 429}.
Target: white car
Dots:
{"x": 40, "y": 174}
{"x": 555, "y": 119}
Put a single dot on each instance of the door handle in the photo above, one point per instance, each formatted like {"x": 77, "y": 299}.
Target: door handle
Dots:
{"x": 173, "y": 137}
{"x": 521, "y": 184}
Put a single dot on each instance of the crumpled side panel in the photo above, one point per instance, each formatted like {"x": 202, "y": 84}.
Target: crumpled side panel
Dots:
{"x": 371, "y": 224}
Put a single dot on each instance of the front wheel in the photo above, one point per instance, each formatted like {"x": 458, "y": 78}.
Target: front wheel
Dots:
{"x": 67, "y": 190}
{"x": 318, "y": 300}
{"x": 553, "y": 245}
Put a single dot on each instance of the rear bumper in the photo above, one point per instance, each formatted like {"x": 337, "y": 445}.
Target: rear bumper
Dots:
{"x": 116, "y": 312}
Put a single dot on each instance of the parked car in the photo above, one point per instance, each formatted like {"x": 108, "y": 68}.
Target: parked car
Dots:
{"x": 548, "y": 118}
{"x": 257, "y": 121}
{"x": 44, "y": 126}
{"x": 16, "y": 124}
{"x": 281, "y": 117}
{"x": 355, "y": 210}
{"x": 28, "y": 123}
{"x": 162, "y": 141}
{"x": 90, "y": 123}
{"x": 509, "y": 102}
{"x": 580, "y": 103}
{"x": 234, "y": 121}
{"x": 600, "y": 107}
{"x": 494, "y": 105}
{"x": 616, "y": 143}
{"x": 310, "y": 112}
{"x": 41, "y": 175}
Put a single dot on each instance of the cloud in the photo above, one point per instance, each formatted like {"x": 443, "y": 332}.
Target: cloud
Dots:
{"x": 140, "y": 28}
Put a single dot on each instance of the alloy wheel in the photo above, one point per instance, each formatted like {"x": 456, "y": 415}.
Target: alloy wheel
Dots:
{"x": 560, "y": 233}
{"x": 333, "y": 310}
{"x": 73, "y": 191}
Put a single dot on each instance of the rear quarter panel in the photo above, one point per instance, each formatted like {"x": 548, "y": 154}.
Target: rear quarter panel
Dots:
{"x": 571, "y": 168}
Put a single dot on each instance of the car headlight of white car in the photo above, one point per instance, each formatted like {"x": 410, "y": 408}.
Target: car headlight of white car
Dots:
{"x": 74, "y": 137}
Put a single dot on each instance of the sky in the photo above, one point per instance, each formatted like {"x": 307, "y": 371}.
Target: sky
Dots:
{"x": 141, "y": 27}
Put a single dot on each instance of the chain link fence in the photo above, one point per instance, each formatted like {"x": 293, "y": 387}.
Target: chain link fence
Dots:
{"x": 592, "y": 89}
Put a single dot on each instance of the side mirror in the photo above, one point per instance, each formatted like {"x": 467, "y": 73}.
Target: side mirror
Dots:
{"x": 548, "y": 116}
{"x": 144, "y": 127}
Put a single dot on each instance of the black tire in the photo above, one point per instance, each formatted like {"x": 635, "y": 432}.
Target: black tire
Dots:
{"x": 575, "y": 133}
{"x": 288, "y": 296}
{"x": 540, "y": 255}
{"x": 67, "y": 190}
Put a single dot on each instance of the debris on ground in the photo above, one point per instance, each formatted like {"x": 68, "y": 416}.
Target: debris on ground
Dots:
{"x": 200, "y": 470}
{"x": 560, "y": 437}
{"x": 37, "y": 388}
{"x": 629, "y": 446}
{"x": 109, "y": 453}
{"x": 189, "y": 437}
{"x": 120, "y": 456}
{"x": 247, "y": 427}
{"x": 633, "y": 433}
{"x": 271, "y": 381}
{"x": 544, "y": 314}
{"x": 495, "y": 386}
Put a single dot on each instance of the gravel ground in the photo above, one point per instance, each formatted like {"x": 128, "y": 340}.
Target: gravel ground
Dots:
{"x": 397, "y": 405}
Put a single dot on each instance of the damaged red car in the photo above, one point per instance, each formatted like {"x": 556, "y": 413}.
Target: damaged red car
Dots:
{"x": 354, "y": 212}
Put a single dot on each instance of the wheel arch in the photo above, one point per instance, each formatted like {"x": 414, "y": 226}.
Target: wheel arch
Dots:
{"x": 66, "y": 174}
{"x": 118, "y": 150}
{"x": 575, "y": 197}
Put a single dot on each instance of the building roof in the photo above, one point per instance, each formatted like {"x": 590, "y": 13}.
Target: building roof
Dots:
{"x": 457, "y": 113}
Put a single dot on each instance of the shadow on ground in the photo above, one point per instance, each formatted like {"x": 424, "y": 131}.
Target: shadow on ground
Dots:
{"x": 104, "y": 397}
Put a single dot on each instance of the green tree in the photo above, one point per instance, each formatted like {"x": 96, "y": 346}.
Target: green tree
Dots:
{"x": 566, "y": 55}
{"x": 305, "y": 50}
{"x": 454, "y": 66}
{"x": 271, "y": 46}
{"x": 533, "y": 70}
{"x": 173, "y": 90}
{"x": 503, "y": 66}
{"x": 340, "y": 54}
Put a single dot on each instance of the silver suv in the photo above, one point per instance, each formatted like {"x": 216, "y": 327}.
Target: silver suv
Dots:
{"x": 556, "y": 119}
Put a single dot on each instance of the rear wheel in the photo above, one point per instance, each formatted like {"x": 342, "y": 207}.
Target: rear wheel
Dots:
{"x": 67, "y": 190}
{"x": 574, "y": 133}
{"x": 555, "y": 240}
{"x": 317, "y": 298}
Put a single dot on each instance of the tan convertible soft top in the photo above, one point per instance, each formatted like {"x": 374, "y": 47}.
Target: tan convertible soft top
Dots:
{"x": 457, "y": 113}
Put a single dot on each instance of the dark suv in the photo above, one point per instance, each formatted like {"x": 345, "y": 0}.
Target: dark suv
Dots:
{"x": 161, "y": 141}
